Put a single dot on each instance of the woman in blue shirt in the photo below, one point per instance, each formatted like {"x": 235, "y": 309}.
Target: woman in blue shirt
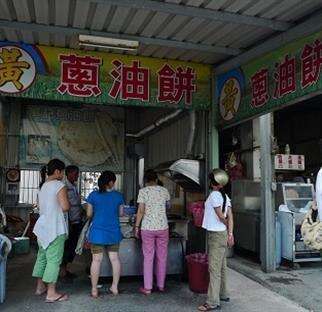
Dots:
{"x": 105, "y": 207}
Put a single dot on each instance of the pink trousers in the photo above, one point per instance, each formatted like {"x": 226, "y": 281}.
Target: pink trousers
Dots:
{"x": 155, "y": 243}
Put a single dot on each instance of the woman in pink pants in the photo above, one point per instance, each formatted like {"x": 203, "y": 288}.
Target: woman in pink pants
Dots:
{"x": 152, "y": 202}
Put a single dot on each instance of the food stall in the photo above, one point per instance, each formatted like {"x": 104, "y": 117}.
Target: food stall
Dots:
{"x": 101, "y": 124}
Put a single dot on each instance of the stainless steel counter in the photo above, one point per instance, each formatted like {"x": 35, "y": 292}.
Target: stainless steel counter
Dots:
{"x": 132, "y": 258}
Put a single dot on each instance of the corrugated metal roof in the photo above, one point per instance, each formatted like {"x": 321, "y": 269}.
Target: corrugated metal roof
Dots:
{"x": 156, "y": 20}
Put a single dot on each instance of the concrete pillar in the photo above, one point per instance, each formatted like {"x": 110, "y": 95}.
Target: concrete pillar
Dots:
{"x": 214, "y": 146}
{"x": 256, "y": 151}
{"x": 267, "y": 198}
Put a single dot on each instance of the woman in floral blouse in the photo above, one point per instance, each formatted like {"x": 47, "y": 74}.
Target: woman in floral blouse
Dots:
{"x": 152, "y": 200}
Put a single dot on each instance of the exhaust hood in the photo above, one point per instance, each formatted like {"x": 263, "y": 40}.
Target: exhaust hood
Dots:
{"x": 188, "y": 173}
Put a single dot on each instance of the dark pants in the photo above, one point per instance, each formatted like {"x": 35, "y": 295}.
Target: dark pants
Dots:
{"x": 71, "y": 242}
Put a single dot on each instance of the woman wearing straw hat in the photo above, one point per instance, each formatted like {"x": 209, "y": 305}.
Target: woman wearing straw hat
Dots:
{"x": 218, "y": 221}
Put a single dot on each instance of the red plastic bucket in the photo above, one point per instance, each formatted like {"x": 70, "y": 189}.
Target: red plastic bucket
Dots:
{"x": 198, "y": 274}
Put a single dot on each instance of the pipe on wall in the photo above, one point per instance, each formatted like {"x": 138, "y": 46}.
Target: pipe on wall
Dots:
{"x": 155, "y": 125}
{"x": 192, "y": 134}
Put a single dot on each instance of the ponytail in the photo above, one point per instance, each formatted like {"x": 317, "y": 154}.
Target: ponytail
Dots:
{"x": 223, "y": 194}
{"x": 43, "y": 173}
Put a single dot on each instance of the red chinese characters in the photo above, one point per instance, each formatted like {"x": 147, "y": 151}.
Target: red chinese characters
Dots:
{"x": 311, "y": 61}
{"x": 79, "y": 75}
{"x": 285, "y": 77}
{"x": 259, "y": 86}
{"x": 173, "y": 84}
{"x": 130, "y": 82}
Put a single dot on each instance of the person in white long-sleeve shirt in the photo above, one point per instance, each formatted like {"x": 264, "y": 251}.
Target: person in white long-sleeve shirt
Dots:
{"x": 318, "y": 193}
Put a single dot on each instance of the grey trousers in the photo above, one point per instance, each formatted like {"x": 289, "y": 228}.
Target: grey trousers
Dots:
{"x": 217, "y": 245}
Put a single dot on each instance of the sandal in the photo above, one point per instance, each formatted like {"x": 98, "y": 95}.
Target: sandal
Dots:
{"x": 144, "y": 291}
{"x": 207, "y": 307}
{"x": 62, "y": 297}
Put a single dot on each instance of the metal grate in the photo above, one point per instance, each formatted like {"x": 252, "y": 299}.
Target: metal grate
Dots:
{"x": 30, "y": 179}
{"x": 29, "y": 186}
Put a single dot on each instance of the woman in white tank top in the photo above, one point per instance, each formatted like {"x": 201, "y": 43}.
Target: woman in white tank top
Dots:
{"x": 51, "y": 231}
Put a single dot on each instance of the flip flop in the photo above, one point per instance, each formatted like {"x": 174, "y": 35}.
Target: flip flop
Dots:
{"x": 62, "y": 297}
{"x": 207, "y": 307}
{"x": 111, "y": 292}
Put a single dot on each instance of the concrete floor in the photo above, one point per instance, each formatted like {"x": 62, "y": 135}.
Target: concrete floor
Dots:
{"x": 246, "y": 295}
{"x": 302, "y": 285}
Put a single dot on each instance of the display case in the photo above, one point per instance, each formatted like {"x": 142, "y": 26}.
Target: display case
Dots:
{"x": 293, "y": 202}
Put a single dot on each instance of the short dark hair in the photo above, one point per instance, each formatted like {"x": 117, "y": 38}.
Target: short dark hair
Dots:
{"x": 105, "y": 178}
{"x": 150, "y": 176}
{"x": 70, "y": 169}
{"x": 55, "y": 164}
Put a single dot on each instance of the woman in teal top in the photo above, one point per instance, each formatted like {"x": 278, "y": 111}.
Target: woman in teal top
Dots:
{"x": 105, "y": 207}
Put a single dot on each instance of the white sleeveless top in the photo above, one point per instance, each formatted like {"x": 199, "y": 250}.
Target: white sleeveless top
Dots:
{"x": 51, "y": 222}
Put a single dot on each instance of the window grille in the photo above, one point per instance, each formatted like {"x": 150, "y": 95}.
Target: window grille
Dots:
{"x": 29, "y": 186}
{"x": 30, "y": 179}
{"x": 89, "y": 179}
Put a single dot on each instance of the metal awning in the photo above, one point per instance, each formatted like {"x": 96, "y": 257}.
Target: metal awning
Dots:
{"x": 206, "y": 31}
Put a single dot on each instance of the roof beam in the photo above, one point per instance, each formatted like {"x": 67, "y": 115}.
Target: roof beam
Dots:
{"x": 203, "y": 13}
{"x": 310, "y": 26}
{"x": 72, "y": 31}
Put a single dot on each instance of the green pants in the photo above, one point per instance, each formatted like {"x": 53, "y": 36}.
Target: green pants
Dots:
{"x": 48, "y": 261}
{"x": 217, "y": 245}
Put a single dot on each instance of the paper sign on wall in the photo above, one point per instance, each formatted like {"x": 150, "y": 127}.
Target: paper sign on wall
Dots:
{"x": 289, "y": 162}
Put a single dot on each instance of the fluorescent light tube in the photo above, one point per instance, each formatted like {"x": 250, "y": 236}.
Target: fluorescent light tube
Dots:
{"x": 109, "y": 43}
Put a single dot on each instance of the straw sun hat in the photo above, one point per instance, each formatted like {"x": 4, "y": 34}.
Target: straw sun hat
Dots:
{"x": 220, "y": 176}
